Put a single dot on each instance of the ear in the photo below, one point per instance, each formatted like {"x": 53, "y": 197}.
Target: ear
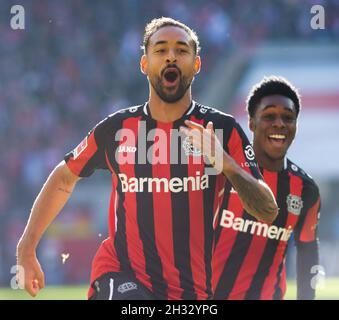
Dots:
{"x": 143, "y": 64}
{"x": 197, "y": 64}
{"x": 251, "y": 124}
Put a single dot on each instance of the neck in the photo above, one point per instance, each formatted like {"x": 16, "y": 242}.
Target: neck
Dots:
{"x": 168, "y": 112}
{"x": 267, "y": 162}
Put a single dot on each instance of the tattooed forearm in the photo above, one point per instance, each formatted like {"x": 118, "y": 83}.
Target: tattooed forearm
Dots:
{"x": 255, "y": 196}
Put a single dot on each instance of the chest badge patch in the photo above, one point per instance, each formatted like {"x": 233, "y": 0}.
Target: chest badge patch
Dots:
{"x": 189, "y": 148}
{"x": 294, "y": 204}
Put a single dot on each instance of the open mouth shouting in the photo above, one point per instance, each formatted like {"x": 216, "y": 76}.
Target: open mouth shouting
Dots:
{"x": 171, "y": 77}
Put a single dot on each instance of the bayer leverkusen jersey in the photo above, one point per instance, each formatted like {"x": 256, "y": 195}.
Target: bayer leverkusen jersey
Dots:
{"x": 249, "y": 256}
{"x": 162, "y": 208}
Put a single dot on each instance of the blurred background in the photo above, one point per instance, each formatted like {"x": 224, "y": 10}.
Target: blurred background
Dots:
{"x": 77, "y": 61}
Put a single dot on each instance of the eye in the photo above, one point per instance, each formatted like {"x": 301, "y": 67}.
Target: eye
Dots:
{"x": 162, "y": 50}
{"x": 269, "y": 117}
{"x": 183, "y": 50}
{"x": 289, "y": 119}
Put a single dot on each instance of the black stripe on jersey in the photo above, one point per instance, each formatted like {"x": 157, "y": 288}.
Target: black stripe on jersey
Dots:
{"x": 254, "y": 168}
{"x": 277, "y": 292}
{"x": 120, "y": 239}
{"x": 101, "y": 133}
{"x": 87, "y": 169}
{"x": 145, "y": 217}
{"x": 228, "y": 186}
{"x": 208, "y": 230}
{"x": 97, "y": 161}
{"x": 120, "y": 242}
{"x": 181, "y": 229}
{"x": 254, "y": 291}
{"x": 224, "y": 204}
{"x": 237, "y": 256}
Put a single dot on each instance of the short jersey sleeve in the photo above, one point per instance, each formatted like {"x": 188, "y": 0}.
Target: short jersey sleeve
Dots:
{"x": 240, "y": 149}
{"x": 89, "y": 155}
{"x": 306, "y": 228}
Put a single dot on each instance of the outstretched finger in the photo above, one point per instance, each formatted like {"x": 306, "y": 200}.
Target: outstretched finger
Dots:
{"x": 209, "y": 126}
{"x": 194, "y": 125}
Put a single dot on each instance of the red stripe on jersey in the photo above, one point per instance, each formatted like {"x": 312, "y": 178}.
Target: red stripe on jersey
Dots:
{"x": 77, "y": 164}
{"x": 134, "y": 244}
{"x": 296, "y": 186}
{"x": 236, "y": 151}
{"x": 196, "y": 120}
{"x": 307, "y": 233}
{"x": 226, "y": 240}
{"x": 220, "y": 183}
{"x": 162, "y": 206}
{"x": 255, "y": 251}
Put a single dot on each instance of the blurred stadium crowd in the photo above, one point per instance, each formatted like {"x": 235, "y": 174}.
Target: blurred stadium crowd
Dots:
{"x": 78, "y": 61}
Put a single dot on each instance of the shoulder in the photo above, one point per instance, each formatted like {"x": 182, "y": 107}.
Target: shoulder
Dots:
{"x": 208, "y": 113}
{"x": 308, "y": 182}
{"x": 129, "y": 112}
{"x": 115, "y": 119}
{"x": 132, "y": 111}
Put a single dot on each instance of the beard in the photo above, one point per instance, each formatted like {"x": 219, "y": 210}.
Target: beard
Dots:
{"x": 171, "y": 95}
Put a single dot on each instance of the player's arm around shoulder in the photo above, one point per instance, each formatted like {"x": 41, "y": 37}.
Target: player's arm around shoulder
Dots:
{"x": 49, "y": 202}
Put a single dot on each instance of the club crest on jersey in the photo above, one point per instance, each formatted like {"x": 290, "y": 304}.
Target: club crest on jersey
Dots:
{"x": 189, "y": 148}
{"x": 127, "y": 286}
{"x": 294, "y": 204}
{"x": 80, "y": 148}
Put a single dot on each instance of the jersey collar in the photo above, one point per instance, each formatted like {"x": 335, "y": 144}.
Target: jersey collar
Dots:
{"x": 188, "y": 111}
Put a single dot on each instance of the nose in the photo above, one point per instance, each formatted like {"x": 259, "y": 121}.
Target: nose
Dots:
{"x": 171, "y": 56}
{"x": 279, "y": 122}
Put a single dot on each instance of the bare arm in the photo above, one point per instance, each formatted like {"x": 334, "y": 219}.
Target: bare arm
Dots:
{"x": 256, "y": 197}
{"x": 51, "y": 199}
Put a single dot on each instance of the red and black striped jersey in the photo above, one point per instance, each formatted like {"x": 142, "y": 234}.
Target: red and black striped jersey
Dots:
{"x": 249, "y": 255}
{"x": 161, "y": 210}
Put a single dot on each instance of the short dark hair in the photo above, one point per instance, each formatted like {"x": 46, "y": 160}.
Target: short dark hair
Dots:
{"x": 162, "y": 22}
{"x": 272, "y": 85}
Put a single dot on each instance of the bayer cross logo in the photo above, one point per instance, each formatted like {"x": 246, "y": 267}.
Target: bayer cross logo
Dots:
{"x": 189, "y": 148}
{"x": 127, "y": 286}
{"x": 249, "y": 152}
{"x": 294, "y": 204}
